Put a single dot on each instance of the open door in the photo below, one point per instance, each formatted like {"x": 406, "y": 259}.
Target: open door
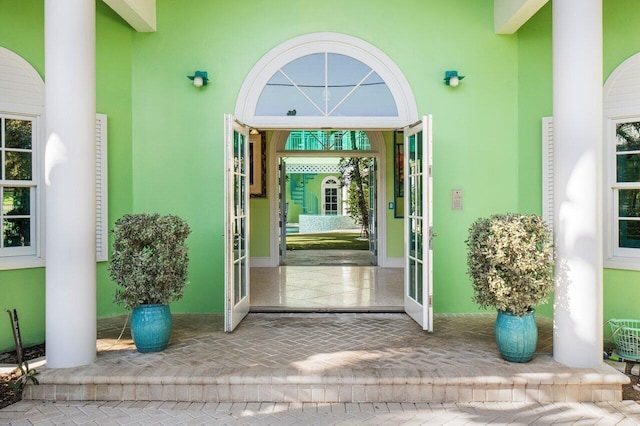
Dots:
{"x": 373, "y": 217}
{"x": 283, "y": 210}
{"x": 418, "y": 296}
{"x": 236, "y": 226}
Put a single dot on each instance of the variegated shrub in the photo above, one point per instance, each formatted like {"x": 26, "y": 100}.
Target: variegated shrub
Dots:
{"x": 510, "y": 261}
{"x": 150, "y": 259}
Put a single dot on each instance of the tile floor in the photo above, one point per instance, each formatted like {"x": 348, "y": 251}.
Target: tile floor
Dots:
{"x": 318, "y": 288}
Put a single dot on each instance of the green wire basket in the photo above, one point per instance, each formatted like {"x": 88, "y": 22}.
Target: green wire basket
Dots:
{"x": 626, "y": 337}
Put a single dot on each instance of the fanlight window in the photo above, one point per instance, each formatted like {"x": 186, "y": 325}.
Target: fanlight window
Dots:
{"x": 321, "y": 140}
{"x": 326, "y": 85}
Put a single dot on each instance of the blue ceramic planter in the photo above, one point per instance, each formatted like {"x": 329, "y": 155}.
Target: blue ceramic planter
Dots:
{"x": 151, "y": 327}
{"x": 516, "y": 336}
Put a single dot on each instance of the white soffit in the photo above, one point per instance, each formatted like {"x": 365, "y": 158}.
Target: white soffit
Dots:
{"x": 140, "y": 14}
{"x": 510, "y": 15}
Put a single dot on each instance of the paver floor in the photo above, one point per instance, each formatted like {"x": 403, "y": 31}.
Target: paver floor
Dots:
{"x": 322, "y": 343}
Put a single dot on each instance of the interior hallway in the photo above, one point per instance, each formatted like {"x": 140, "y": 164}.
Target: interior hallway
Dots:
{"x": 322, "y": 287}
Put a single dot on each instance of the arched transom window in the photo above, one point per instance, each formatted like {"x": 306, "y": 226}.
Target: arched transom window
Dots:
{"x": 326, "y": 80}
{"x": 326, "y": 84}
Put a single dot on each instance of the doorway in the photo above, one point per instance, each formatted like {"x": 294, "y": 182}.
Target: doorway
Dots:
{"x": 336, "y": 81}
{"x": 328, "y": 210}
{"x": 327, "y": 182}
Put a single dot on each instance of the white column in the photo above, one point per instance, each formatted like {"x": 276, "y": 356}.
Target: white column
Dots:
{"x": 70, "y": 182}
{"x": 577, "y": 120}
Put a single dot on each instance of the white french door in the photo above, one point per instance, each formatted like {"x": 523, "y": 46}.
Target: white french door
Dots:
{"x": 236, "y": 226}
{"x": 418, "y": 291}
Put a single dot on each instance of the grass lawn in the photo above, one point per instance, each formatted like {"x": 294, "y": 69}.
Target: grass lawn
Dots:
{"x": 327, "y": 241}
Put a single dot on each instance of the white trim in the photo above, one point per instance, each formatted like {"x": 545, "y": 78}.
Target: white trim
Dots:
{"x": 260, "y": 262}
{"x": 276, "y": 150}
{"x": 140, "y": 14}
{"x": 395, "y": 262}
{"x": 312, "y": 43}
{"x": 510, "y": 15}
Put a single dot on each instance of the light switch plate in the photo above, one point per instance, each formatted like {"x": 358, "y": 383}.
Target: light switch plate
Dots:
{"x": 456, "y": 199}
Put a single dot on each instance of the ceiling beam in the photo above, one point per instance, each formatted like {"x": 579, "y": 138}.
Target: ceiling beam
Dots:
{"x": 510, "y": 15}
{"x": 140, "y": 14}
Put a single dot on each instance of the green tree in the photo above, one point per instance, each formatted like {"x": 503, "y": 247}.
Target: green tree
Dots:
{"x": 355, "y": 176}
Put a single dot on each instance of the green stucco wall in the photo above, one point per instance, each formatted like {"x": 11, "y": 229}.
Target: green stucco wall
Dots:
{"x": 178, "y": 129}
{"x": 166, "y": 136}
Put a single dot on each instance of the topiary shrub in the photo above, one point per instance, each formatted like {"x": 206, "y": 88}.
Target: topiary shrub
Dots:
{"x": 510, "y": 261}
{"x": 150, "y": 259}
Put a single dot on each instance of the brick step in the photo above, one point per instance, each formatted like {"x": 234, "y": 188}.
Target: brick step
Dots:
{"x": 348, "y": 385}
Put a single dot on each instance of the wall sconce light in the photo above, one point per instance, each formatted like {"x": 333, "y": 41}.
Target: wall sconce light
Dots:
{"x": 451, "y": 78}
{"x": 199, "y": 78}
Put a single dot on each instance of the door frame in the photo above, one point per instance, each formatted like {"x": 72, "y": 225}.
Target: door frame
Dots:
{"x": 279, "y": 138}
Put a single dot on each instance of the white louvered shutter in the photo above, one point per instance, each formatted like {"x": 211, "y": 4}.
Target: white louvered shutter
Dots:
{"x": 102, "y": 223}
{"x": 547, "y": 170}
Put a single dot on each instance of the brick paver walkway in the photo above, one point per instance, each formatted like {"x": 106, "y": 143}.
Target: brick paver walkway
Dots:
{"x": 185, "y": 413}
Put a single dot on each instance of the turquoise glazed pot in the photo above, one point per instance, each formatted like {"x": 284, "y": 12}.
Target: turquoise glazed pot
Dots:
{"x": 151, "y": 327}
{"x": 516, "y": 336}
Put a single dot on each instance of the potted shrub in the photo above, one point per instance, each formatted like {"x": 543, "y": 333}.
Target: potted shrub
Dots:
{"x": 510, "y": 261}
{"x": 149, "y": 264}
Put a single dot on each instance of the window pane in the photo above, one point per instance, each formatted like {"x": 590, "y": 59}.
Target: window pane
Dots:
{"x": 16, "y": 232}
{"x": 412, "y": 279}
{"x": 279, "y": 101}
{"x": 372, "y": 99}
{"x": 628, "y": 136}
{"x": 629, "y": 234}
{"x": 629, "y": 203}
{"x": 628, "y": 168}
{"x": 17, "y": 165}
{"x": 17, "y": 133}
{"x": 16, "y": 201}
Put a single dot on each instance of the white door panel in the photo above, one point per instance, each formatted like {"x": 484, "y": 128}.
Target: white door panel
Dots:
{"x": 418, "y": 297}
{"x": 236, "y": 230}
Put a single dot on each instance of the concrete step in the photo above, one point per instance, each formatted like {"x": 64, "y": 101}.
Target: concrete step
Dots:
{"x": 343, "y": 385}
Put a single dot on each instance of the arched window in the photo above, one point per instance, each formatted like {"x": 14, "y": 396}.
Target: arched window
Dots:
{"x": 622, "y": 166}
{"x": 21, "y": 140}
{"x": 22, "y": 135}
{"x": 326, "y": 80}
{"x": 331, "y": 197}
{"x": 326, "y": 84}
